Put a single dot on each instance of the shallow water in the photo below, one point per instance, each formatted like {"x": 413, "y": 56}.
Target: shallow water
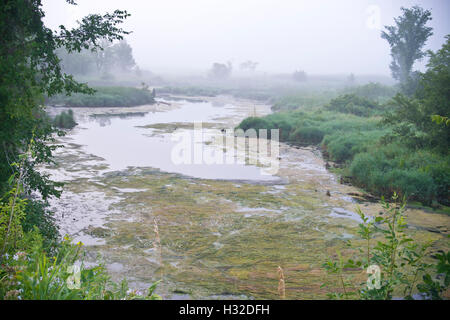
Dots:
{"x": 126, "y": 142}
{"x": 224, "y": 230}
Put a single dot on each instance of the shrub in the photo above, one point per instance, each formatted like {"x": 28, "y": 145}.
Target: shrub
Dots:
{"x": 343, "y": 146}
{"x": 351, "y": 103}
{"x": 373, "y": 91}
{"x": 308, "y": 135}
{"x": 395, "y": 260}
{"x": 65, "y": 120}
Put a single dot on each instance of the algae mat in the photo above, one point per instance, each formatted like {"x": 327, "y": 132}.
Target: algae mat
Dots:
{"x": 216, "y": 239}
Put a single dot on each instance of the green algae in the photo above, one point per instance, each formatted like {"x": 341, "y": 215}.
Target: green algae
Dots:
{"x": 227, "y": 238}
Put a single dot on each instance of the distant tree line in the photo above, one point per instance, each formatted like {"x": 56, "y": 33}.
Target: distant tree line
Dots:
{"x": 110, "y": 57}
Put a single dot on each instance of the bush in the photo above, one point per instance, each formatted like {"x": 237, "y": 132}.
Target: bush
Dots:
{"x": 343, "y": 146}
{"x": 373, "y": 91}
{"x": 395, "y": 261}
{"x": 351, "y": 103}
{"x": 65, "y": 120}
{"x": 39, "y": 216}
{"x": 307, "y": 135}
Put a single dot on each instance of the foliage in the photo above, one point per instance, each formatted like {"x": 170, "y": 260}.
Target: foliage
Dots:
{"x": 406, "y": 39}
{"x": 221, "y": 70}
{"x": 40, "y": 217}
{"x": 32, "y": 269}
{"x": 105, "y": 97}
{"x": 104, "y": 60}
{"x": 31, "y": 68}
{"x": 440, "y": 119}
{"x": 33, "y": 275}
{"x": 421, "y": 175}
{"x": 372, "y": 91}
{"x": 351, "y": 103}
{"x": 65, "y": 120}
{"x": 343, "y": 146}
{"x": 397, "y": 260}
{"x": 411, "y": 117}
{"x": 310, "y": 127}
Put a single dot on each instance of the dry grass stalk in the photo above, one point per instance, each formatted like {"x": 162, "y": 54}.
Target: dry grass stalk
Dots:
{"x": 281, "y": 283}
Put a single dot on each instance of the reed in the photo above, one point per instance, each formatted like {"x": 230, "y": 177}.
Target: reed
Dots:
{"x": 281, "y": 283}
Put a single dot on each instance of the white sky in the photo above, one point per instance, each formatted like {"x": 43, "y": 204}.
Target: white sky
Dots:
{"x": 318, "y": 36}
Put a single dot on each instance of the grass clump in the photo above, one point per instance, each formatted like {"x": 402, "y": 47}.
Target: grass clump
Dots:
{"x": 421, "y": 175}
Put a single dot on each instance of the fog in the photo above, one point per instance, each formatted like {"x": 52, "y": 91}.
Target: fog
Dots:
{"x": 320, "y": 37}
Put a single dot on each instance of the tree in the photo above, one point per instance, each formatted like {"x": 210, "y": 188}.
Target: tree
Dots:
{"x": 248, "y": 66}
{"x": 412, "y": 117}
{"x": 407, "y": 39}
{"x": 123, "y": 55}
{"x": 221, "y": 70}
{"x": 351, "y": 78}
{"x": 300, "y": 76}
{"x": 31, "y": 69}
{"x": 77, "y": 63}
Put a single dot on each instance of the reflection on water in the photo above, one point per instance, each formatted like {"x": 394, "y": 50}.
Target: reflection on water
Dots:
{"x": 123, "y": 142}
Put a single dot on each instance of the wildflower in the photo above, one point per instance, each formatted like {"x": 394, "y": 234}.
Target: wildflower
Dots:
{"x": 16, "y": 257}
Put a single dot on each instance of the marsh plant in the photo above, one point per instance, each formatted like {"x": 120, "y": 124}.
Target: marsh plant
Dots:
{"x": 397, "y": 265}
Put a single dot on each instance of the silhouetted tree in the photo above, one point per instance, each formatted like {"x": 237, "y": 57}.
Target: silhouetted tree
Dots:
{"x": 221, "y": 70}
{"x": 249, "y": 65}
{"x": 406, "y": 39}
{"x": 300, "y": 76}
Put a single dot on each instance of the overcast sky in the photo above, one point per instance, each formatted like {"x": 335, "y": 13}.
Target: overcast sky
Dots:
{"x": 318, "y": 36}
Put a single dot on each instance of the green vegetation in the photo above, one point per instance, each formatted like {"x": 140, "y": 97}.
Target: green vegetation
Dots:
{"x": 384, "y": 147}
{"x": 33, "y": 263}
{"x": 35, "y": 275}
{"x": 351, "y": 103}
{"x": 105, "y": 97}
{"x": 109, "y": 58}
{"x": 407, "y": 39}
{"x": 65, "y": 120}
{"x": 397, "y": 264}
{"x": 373, "y": 91}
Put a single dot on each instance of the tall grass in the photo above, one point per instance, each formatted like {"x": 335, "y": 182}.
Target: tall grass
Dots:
{"x": 349, "y": 131}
